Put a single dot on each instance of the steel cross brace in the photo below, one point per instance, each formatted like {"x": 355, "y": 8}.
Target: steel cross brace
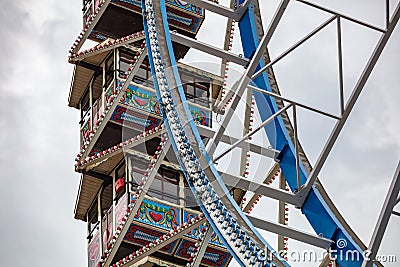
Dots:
{"x": 293, "y": 47}
{"x": 262, "y": 125}
{"x": 362, "y": 23}
{"x": 396, "y": 213}
{"x": 267, "y": 152}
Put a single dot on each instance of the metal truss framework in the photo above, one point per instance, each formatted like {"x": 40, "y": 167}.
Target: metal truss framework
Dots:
{"x": 346, "y": 108}
{"x": 296, "y": 199}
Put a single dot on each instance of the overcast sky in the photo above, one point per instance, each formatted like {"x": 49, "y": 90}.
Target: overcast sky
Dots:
{"x": 39, "y": 133}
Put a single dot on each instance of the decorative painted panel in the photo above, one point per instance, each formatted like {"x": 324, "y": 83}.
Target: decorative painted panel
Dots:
{"x": 179, "y": 4}
{"x": 179, "y": 13}
{"x": 200, "y": 116}
{"x": 154, "y": 219}
{"x": 215, "y": 240}
{"x": 98, "y": 36}
{"x": 141, "y": 99}
{"x": 135, "y": 5}
{"x": 158, "y": 215}
{"x": 121, "y": 207}
{"x": 94, "y": 251}
{"x": 185, "y": 6}
{"x": 146, "y": 100}
{"x": 108, "y": 93}
{"x": 212, "y": 256}
{"x": 184, "y": 20}
{"x": 135, "y": 120}
{"x": 142, "y": 236}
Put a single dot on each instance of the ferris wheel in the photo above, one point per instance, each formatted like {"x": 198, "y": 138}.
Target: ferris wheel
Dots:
{"x": 197, "y": 156}
{"x": 198, "y": 150}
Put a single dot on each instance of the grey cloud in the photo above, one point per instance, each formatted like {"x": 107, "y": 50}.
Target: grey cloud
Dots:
{"x": 39, "y": 133}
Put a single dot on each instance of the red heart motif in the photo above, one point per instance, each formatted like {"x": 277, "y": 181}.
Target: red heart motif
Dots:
{"x": 155, "y": 216}
{"x": 141, "y": 102}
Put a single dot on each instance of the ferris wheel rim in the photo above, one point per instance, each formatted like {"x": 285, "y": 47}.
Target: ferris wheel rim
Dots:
{"x": 320, "y": 198}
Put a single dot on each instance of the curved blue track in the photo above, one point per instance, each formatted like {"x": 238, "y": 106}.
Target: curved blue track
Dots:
{"x": 249, "y": 253}
{"x": 315, "y": 208}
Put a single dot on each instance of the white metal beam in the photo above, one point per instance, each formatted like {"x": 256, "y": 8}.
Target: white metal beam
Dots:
{"x": 291, "y": 101}
{"x": 296, "y": 45}
{"x": 330, "y": 11}
{"x": 260, "y": 189}
{"x": 290, "y": 232}
{"x": 209, "y": 49}
{"x": 262, "y": 125}
{"x": 260, "y": 150}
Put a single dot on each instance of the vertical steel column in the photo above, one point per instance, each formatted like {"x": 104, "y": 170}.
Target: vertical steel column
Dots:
{"x": 229, "y": 24}
{"x": 281, "y": 213}
{"x": 387, "y": 7}
{"x": 238, "y": 193}
{"x": 340, "y": 63}
{"x": 296, "y": 147}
